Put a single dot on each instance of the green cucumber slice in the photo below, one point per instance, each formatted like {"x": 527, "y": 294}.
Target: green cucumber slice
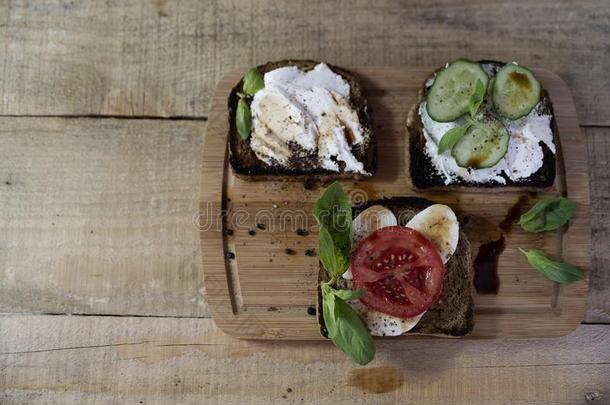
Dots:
{"x": 448, "y": 98}
{"x": 516, "y": 91}
{"x": 484, "y": 145}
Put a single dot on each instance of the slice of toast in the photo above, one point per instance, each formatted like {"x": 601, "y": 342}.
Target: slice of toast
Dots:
{"x": 453, "y": 314}
{"x": 424, "y": 174}
{"x": 248, "y": 166}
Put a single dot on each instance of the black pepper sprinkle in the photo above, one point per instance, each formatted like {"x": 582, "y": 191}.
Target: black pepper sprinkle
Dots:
{"x": 288, "y": 389}
{"x": 229, "y": 232}
{"x": 308, "y": 185}
{"x": 262, "y": 227}
{"x": 311, "y": 311}
{"x": 310, "y": 252}
{"x": 289, "y": 251}
{"x": 251, "y": 232}
{"x": 302, "y": 232}
{"x": 230, "y": 255}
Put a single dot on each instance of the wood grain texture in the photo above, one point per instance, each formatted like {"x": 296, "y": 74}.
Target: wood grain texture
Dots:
{"x": 109, "y": 360}
{"x": 98, "y": 216}
{"x": 141, "y": 57}
{"x": 263, "y": 292}
{"x": 598, "y": 140}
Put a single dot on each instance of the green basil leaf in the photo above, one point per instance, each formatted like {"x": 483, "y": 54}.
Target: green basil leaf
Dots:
{"x": 243, "y": 119}
{"x": 559, "y": 272}
{"x": 476, "y": 98}
{"x": 548, "y": 214}
{"x": 348, "y": 295}
{"x": 346, "y": 329}
{"x": 451, "y": 137}
{"x": 253, "y": 82}
{"x": 334, "y": 214}
{"x": 490, "y": 87}
{"x": 331, "y": 257}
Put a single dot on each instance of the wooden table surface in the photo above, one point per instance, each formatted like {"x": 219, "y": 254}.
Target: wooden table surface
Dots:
{"x": 102, "y": 115}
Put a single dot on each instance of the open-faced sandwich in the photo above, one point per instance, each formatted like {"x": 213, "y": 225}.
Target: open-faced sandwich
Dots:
{"x": 298, "y": 119}
{"x": 401, "y": 265}
{"x": 482, "y": 124}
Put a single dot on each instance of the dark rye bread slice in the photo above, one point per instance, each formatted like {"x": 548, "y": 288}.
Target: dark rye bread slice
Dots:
{"x": 248, "y": 166}
{"x": 453, "y": 314}
{"x": 424, "y": 174}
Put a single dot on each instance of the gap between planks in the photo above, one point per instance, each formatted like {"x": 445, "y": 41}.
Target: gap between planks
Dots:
{"x": 203, "y": 118}
{"x": 159, "y": 316}
{"x": 120, "y": 117}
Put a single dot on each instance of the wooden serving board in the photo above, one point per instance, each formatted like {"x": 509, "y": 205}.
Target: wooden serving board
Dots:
{"x": 265, "y": 290}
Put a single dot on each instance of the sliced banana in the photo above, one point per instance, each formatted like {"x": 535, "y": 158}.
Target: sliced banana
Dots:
{"x": 439, "y": 224}
{"x": 381, "y": 324}
{"x": 368, "y": 221}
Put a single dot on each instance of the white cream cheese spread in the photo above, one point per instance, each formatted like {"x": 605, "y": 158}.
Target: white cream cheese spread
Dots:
{"x": 306, "y": 115}
{"x": 524, "y": 157}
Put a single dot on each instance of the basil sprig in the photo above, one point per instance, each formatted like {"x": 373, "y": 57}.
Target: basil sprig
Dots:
{"x": 253, "y": 82}
{"x": 345, "y": 328}
{"x": 334, "y": 214}
{"x": 476, "y": 98}
{"x": 243, "y": 119}
{"x": 548, "y": 214}
{"x": 451, "y": 137}
{"x": 559, "y": 272}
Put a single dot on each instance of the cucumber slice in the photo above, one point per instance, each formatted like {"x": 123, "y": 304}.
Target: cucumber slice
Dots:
{"x": 453, "y": 86}
{"x": 484, "y": 145}
{"x": 516, "y": 91}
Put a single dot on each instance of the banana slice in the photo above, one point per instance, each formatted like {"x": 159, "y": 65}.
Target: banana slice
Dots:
{"x": 381, "y": 324}
{"x": 439, "y": 224}
{"x": 367, "y": 222}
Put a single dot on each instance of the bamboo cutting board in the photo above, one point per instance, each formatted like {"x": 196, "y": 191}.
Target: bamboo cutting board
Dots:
{"x": 258, "y": 239}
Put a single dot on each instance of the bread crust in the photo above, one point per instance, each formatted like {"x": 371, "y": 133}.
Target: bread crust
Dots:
{"x": 423, "y": 174}
{"x": 246, "y": 165}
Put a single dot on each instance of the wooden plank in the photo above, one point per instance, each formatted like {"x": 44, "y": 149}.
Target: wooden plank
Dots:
{"x": 98, "y": 216}
{"x": 104, "y": 360}
{"x": 241, "y": 291}
{"x": 598, "y": 140}
{"x": 141, "y": 57}
{"x": 25, "y": 287}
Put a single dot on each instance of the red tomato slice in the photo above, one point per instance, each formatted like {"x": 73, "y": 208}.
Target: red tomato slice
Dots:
{"x": 400, "y": 271}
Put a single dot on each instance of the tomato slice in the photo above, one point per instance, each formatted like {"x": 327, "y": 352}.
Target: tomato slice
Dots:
{"x": 400, "y": 271}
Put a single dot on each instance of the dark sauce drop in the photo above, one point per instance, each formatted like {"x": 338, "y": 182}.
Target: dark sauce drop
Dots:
{"x": 486, "y": 279}
{"x": 513, "y": 214}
